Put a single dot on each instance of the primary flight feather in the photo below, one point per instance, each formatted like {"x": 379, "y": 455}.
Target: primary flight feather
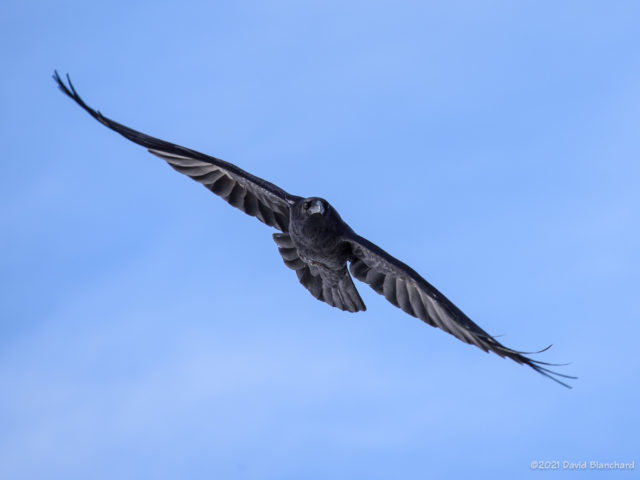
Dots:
{"x": 317, "y": 244}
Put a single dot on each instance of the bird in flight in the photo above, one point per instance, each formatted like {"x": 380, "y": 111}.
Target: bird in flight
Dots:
{"x": 317, "y": 244}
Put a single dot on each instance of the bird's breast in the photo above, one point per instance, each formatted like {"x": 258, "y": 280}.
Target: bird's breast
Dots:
{"x": 316, "y": 244}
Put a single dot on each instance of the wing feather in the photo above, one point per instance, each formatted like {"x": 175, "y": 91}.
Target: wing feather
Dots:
{"x": 404, "y": 288}
{"x": 253, "y": 195}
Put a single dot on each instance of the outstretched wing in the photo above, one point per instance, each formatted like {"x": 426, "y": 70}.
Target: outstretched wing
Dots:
{"x": 253, "y": 195}
{"x": 405, "y": 289}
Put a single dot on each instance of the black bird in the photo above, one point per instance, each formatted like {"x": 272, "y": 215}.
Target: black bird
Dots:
{"x": 317, "y": 244}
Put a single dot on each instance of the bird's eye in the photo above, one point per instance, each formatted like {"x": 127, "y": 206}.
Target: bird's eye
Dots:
{"x": 306, "y": 205}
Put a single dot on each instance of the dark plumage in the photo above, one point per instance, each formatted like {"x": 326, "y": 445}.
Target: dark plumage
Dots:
{"x": 317, "y": 244}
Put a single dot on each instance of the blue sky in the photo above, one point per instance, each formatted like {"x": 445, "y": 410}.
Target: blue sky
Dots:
{"x": 149, "y": 330}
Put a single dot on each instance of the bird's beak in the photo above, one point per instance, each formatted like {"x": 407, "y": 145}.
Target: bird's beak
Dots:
{"x": 317, "y": 207}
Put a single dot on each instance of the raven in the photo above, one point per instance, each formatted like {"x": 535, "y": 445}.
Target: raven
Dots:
{"x": 317, "y": 244}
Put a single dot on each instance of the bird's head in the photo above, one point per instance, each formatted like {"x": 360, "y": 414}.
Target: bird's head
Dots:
{"x": 313, "y": 206}
{"x": 315, "y": 212}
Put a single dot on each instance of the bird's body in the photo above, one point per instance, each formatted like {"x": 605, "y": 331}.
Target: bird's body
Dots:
{"x": 318, "y": 236}
{"x": 316, "y": 243}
